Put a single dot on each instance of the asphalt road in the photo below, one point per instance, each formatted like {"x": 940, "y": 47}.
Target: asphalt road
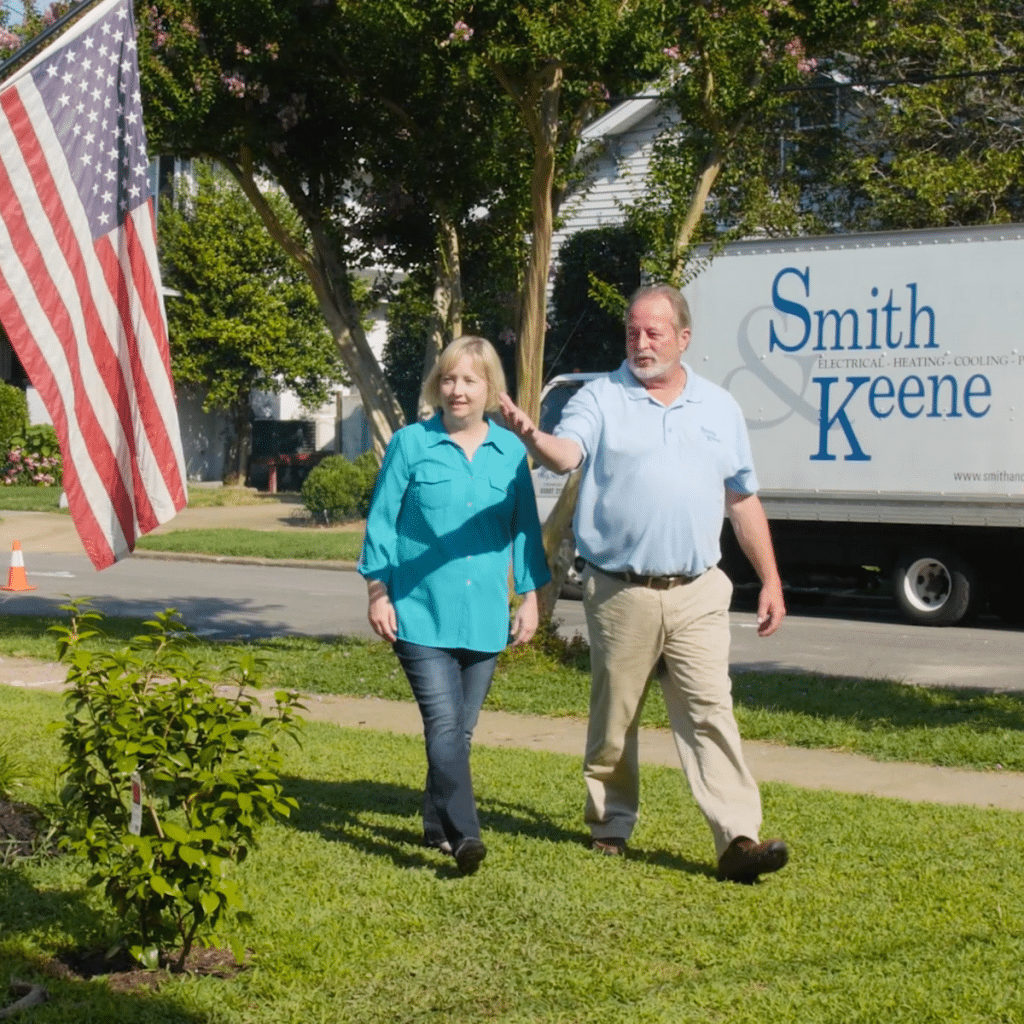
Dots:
{"x": 228, "y": 599}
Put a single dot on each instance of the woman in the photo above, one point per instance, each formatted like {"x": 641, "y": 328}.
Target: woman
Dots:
{"x": 453, "y": 507}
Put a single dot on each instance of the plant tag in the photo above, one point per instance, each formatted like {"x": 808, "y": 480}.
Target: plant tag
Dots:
{"x": 135, "y": 822}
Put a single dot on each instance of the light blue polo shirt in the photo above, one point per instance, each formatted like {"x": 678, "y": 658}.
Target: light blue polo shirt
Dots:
{"x": 652, "y": 497}
{"x": 442, "y": 531}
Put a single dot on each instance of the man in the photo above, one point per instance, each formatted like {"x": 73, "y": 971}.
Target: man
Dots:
{"x": 664, "y": 452}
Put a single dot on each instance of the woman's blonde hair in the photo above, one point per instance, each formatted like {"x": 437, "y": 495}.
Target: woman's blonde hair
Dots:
{"x": 486, "y": 360}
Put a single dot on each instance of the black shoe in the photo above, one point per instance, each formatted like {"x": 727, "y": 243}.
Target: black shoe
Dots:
{"x": 744, "y": 859}
{"x": 468, "y": 855}
{"x": 610, "y": 846}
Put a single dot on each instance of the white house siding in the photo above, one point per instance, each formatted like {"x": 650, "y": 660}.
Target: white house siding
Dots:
{"x": 203, "y": 434}
{"x": 617, "y": 151}
{"x": 339, "y": 423}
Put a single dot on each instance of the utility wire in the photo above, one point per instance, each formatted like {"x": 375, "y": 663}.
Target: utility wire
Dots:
{"x": 880, "y": 83}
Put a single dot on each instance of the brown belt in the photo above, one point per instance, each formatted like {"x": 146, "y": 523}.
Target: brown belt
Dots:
{"x": 654, "y": 582}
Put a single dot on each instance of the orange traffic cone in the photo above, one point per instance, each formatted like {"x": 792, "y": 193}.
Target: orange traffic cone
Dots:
{"x": 16, "y": 579}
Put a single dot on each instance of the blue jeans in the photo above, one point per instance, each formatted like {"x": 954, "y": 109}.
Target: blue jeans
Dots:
{"x": 450, "y": 687}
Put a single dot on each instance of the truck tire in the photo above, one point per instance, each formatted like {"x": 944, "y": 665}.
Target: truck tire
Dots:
{"x": 934, "y": 587}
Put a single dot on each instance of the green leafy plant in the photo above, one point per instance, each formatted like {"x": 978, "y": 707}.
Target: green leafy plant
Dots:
{"x": 339, "y": 489}
{"x": 209, "y": 766}
{"x": 12, "y": 771}
{"x": 33, "y": 458}
{"x": 13, "y": 414}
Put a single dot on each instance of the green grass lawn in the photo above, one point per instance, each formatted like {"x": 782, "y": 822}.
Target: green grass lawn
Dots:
{"x": 888, "y": 911}
{"x": 31, "y": 499}
{"x": 885, "y": 720}
{"x": 46, "y": 499}
{"x": 307, "y": 544}
{"x": 312, "y": 545}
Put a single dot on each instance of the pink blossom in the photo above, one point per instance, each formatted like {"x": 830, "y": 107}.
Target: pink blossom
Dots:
{"x": 461, "y": 33}
{"x": 673, "y": 52}
{"x": 272, "y": 50}
{"x": 242, "y": 51}
{"x": 234, "y": 84}
{"x": 8, "y": 40}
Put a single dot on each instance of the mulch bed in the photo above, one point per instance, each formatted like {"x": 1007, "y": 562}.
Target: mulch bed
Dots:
{"x": 123, "y": 974}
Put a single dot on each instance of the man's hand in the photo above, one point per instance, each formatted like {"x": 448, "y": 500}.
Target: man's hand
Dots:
{"x": 559, "y": 454}
{"x": 750, "y": 525}
{"x": 524, "y": 625}
{"x": 518, "y": 422}
{"x": 771, "y": 608}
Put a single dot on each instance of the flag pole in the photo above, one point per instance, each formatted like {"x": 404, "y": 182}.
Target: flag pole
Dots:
{"x": 38, "y": 40}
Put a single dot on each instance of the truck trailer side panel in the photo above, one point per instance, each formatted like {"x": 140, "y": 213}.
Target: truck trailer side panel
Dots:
{"x": 882, "y": 377}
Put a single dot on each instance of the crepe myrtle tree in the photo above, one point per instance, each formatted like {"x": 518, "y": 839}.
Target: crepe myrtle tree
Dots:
{"x": 559, "y": 65}
{"x": 245, "y": 316}
{"x": 266, "y": 89}
{"x": 735, "y": 70}
{"x": 941, "y": 143}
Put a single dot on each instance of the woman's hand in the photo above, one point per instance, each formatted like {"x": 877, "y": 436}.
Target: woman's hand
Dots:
{"x": 524, "y": 625}
{"x": 381, "y": 612}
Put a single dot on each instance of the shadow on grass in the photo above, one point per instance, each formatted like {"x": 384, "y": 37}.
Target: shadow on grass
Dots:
{"x": 870, "y": 704}
{"x": 349, "y": 811}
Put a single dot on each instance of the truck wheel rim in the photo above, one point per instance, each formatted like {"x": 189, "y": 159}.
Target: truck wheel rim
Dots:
{"x": 927, "y": 584}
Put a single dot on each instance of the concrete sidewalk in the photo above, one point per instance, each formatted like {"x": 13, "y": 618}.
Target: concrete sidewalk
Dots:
{"x": 811, "y": 769}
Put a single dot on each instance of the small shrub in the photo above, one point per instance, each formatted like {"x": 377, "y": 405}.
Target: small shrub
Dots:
{"x": 13, "y": 414}
{"x": 210, "y": 773}
{"x": 338, "y": 489}
{"x": 33, "y": 458}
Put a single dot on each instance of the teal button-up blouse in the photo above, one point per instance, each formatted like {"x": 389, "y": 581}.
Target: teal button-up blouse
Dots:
{"x": 442, "y": 531}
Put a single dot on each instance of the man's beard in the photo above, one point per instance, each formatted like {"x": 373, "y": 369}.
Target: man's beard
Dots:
{"x": 650, "y": 371}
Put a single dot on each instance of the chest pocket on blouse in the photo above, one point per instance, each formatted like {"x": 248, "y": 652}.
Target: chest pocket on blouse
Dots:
{"x": 433, "y": 488}
{"x": 501, "y": 492}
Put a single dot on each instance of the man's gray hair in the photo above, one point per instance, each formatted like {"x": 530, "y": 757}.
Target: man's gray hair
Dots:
{"x": 676, "y": 299}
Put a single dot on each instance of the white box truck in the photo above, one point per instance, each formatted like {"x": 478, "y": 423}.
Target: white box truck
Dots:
{"x": 880, "y": 376}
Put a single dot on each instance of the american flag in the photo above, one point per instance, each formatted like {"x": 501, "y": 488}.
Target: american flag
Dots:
{"x": 80, "y": 293}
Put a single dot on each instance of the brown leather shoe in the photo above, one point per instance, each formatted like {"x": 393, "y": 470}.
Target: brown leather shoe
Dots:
{"x": 610, "y": 846}
{"x": 744, "y": 859}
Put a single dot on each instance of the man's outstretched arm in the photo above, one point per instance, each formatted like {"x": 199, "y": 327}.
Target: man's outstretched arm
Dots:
{"x": 559, "y": 454}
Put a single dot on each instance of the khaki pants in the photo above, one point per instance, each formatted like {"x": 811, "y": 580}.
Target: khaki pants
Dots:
{"x": 630, "y": 628}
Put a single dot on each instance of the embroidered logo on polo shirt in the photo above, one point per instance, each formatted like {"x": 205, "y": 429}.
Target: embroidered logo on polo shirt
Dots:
{"x": 710, "y": 435}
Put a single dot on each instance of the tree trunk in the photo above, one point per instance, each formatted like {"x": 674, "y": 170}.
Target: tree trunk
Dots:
{"x": 329, "y": 277}
{"x": 559, "y": 546}
{"x": 541, "y": 104}
{"x": 243, "y": 441}
{"x": 698, "y": 201}
{"x": 446, "y": 321}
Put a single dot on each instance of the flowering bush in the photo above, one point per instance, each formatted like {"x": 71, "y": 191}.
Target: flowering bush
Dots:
{"x": 34, "y": 459}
